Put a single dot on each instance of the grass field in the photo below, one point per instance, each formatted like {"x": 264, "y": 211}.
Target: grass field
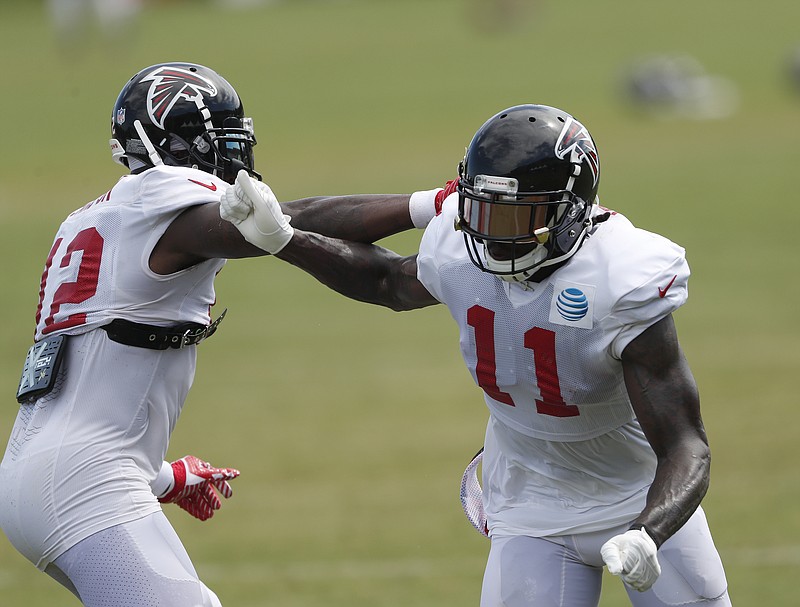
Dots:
{"x": 352, "y": 424}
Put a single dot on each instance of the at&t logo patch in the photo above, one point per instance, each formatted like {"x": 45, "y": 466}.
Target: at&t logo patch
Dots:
{"x": 572, "y": 305}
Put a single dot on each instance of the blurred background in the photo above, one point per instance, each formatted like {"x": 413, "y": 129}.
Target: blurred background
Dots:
{"x": 352, "y": 424}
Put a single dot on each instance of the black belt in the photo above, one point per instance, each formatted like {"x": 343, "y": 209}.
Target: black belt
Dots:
{"x": 160, "y": 338}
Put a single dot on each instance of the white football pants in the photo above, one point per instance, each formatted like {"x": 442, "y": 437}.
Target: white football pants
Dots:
{"x": 566, "y": 571}
{"x": 137, "y": 564}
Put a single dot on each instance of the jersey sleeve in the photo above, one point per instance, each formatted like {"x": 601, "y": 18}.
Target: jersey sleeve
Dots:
{"x": 173, "y": 189}
{"x": 654, "y": 289}
{"x": 440, "y": 242}
{"x": 165, "y": 192}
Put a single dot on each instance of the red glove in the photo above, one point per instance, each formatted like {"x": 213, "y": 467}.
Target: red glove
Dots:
{"x": 196, "y": 484}
{"x": 449, "y": 188}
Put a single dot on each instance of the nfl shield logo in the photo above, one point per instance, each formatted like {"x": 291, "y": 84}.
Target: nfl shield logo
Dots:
{"x": 121, "y": 115}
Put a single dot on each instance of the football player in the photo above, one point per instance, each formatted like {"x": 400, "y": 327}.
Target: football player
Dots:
{"x": 125, "y": 297}
{"x": 595, "y": 451}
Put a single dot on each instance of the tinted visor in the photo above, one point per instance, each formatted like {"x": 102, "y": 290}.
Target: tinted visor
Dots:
{"x": 512, "y": 217}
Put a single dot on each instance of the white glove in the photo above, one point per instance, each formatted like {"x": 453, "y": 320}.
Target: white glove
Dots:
{"x": 252, "y": 207}
{"x": 632, "y": 556}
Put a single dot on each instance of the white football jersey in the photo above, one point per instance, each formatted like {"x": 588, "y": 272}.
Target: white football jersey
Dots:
{"x": 98, "y": 267}
{"x": 82, "y": 458}
{"x": 563, "y": 449}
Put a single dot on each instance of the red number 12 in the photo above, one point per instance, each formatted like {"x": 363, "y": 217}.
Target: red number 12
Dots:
{"x": 90, "y": 243}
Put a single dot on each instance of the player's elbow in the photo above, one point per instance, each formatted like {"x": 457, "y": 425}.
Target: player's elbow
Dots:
{"x": 393, "y": 298}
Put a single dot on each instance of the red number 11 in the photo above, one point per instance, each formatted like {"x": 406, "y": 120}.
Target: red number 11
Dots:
{"x": 543, "y": 344}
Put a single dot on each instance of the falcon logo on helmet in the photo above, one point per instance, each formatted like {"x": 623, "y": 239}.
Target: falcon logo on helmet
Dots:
{"x": 575, "y": 139}
{"x": 169, "y": 84}
{"x": 182, "y": 114}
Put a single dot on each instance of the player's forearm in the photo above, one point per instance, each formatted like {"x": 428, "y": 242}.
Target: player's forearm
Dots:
{"x": 680, "y": 483}
{"x": 664, "y": 396}
{"x": 359, "y": 271}
{"x": 358, "y": 218}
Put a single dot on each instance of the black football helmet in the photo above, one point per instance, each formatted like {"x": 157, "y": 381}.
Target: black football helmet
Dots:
{"x": 526, "y": 189}
{"x": 182, "y": 114}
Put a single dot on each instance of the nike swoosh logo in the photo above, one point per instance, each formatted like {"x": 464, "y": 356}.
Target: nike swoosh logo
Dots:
{"x": 662, "y": 292}
{"x": 212, "y": 186}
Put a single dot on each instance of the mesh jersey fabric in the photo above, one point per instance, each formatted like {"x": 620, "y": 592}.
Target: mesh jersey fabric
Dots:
{"x": 98, "y": 267}
{"x": 563, "y": 449}
{"x": 81, "y": 459}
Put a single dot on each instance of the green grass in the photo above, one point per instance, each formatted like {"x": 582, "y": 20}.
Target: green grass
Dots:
{"x": 351, "y": 423}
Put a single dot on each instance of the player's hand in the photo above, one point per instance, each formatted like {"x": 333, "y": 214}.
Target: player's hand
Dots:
{"x": 632, "y": 556}
{"x": 195, "y": 486}
{"x": 251, "y": 206}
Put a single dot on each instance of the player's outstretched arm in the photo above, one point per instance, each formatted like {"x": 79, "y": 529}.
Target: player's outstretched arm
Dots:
{"x": 367, "y": 217}
{"x": 206, "y": 232}
{"x": 364, "y": 272}
{"x": 666, "y": 402}
{"x": 361, "y": 271}
{"x": 359, "y": 218}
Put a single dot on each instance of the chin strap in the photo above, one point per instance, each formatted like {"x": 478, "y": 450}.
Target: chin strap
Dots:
{"x": 541, "y": 272}
{"x": 531, "y": 258}
{"x": 148, "y": 145}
